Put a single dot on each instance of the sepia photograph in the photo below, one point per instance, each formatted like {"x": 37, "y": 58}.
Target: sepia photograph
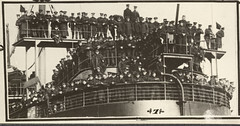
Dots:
{"x": 118, "y": 59}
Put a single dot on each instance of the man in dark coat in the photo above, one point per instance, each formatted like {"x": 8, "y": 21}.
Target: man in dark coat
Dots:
{"x": 194, "y": 30}
{"x": 72, "y": 24}
{"x": 23, "y": 23}
{"x": 160, "y": 68}
{"x": 219, "y": 36}
{"x": 85, "y": 20}
{"x": 33, "y": 24}
{"x": 41, "y": 22}
{"x": 93, "y": 25}
{"x": 170, "y": 37}
{"x": 144, "y": 28}
{"x": 120, "y": 27}
{"x": 198, "y": 33}
{"x": 136, "y": 28}
{"x": 128, "y": 27}
{"x": 122, "y": 65}
{"x": 112, "y": 25}
{"x": 127, "y": 12}
{"x": 100, "y": 25}
{"x": 156, "y": 23}
{"x": 79, "y": 26}
{"x": 105, "y": 25}
{"x": 135, "y": 14}
{"x": 150, "y": 26}
{"x": 55, "y": 24}
{"x": 97, "y": 60}
{"x": 182, "y": 38}
{"x": 208, "y": 35}
{"x": 63, "y": 19}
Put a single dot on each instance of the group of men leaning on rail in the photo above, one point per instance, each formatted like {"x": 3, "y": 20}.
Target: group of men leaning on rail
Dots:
{"x": 129, "y": 26}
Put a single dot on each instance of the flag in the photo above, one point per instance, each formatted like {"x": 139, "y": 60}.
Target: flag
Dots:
{"x": 22, "y": 9}
{"x": 218, "y": 26}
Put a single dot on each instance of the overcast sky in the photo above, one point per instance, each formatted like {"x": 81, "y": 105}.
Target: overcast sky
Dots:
{"x": 204, "y": 13}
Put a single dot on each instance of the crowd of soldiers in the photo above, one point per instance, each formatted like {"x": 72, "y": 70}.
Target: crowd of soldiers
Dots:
{"x": 130, "y": 26}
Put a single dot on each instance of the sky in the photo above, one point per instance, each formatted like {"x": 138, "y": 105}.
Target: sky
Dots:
{"x": 204, "y": 13}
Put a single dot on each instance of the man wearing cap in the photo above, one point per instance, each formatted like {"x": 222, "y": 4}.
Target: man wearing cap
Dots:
{"x": 100, "y": 25}
{"x": 72, "y": 24}
{"x": 47, "y": 24}
{"x": 184, "y": 21}
{"x": 55, "y": 76}
{"x": 78, "y": 26}
{"x": 160, "y": 68}
{"x": 112, "y": 26}
{"x": 219, "y": 36}
{"x": 128, "y": 27}
{"x": 33, "y": 24}
{"x": 189, "y": 33}
{"x": 136, "y": 28}
{"x": 122, "y": 65}
{"x": 120, "y": 28}
{"x": 55, "y": 24}
{"x": 194, "y": 30}
{"x": 135, "y": 14}
{"x": 23, "y": 23}
{"x": 41, "y": 22}
{"x": 63, "y": 20}
{"x": 105, "y": 25}
{"x": 156, "y": 24}
{"x": 182, "y": 38}
{"x": 144, "y": 28}
{"x": 170, "y": 37}
{"x": 208, "y": 36}
{"x": 127, "y": 12}
{"x": 150, "y": 25}
{"x": 198, "y": 33}
{"x": 97, "y": 60}
{"x": 93, "y": 26}
{"x": 18, "y": 24}
{"x": 85, "y": 20}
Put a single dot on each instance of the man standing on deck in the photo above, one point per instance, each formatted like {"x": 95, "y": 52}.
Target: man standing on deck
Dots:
{"x": 127, "y": 12}
{"x": 208, "y": 35}
{"x": 219, "y": 36}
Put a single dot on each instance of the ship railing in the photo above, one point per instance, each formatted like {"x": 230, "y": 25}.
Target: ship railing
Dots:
{"x": 136, "y": 92}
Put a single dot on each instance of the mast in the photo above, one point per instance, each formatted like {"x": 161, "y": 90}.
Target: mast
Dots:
{"x": 177, "y": 13}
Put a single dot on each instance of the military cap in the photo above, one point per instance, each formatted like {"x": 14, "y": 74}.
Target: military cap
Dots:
{"x": 83, "y": 12}
{"x": 18, "y": 14}
{"x": 55, "y": 12}
{"x": 110, "y": 16}
{"x": 68, "y": 56}
{"x": 61, "y": 11}
{"x": 101, "y": 13}
{"x": 199, "y": 25}
{"x": 150, "y": 18}
{"x": 164, "y": 19}
{"x": 64, "y": 12}
{"x": 54, "y": 69}
{"x": 93, "y": 13}
{"x": 72, "y": 13}
{"x": 165, "y": 22}
{"x": 127, "y": 5}
{"x": 222, "y": 28}
{"x": 155, "y": 17}
{"x": 78, "y": 13}
{"x": 47, "y": 11}
{"x": 231, "y": 83}
{"x": 194, "y": 23}
{"x": 135, "y": 6}
{"x": 63, "y": 59}
{"x": 105, "y": 14}
{"x": 209, "y": 25}
{"x": 189, "y": 24}
{"x": 141, "y": 18}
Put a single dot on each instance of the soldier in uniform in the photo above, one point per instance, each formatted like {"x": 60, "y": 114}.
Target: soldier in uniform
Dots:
{"x": 194, "y": 30}
{"x": 55, "y": 24}
{"x": 170, "y": 37}
{"x": 63, "y": 19}
{"x": 219, "y": 36}
{"x": 48, "y": 20}
{"x": 18, "y": 24}
{"x": 150, "y": 26}
{"x": 122, "y": 65}
{"x": 72, "y": 24}
{"x": 55, "y": 76}
{"x": 189, "y": 35}
{"x": 136, "y": 28}
{"x": 97, "y": 61}
{"x": 112, "y": 25}
{"x": 144, "y": 28}
{"x": 100, "y": 25}
{"x": 127, "y": 12}
{"x": 182, "y": 37}
{"x": 208, "y": 35}
{"x": 198, "y": 33}
{"x": 120, "y": 28}
{"x": 41, "y": 22}
{"x": 105, "y": 26}
{"x": 156, "y": 24}
{"x": 78, "y": 26}
{"x": 135, "y": 15}
{"x": 33, "y": 24}
{"x": 128, "y": 27}
{"x": 184, "y": 21}
{"x": 24, "y": 25}
{"x": 160, "y": 68}
{"x": 93, "y": 26}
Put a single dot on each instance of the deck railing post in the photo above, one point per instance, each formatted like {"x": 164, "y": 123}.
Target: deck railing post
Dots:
{"x": 83, "y": 98}
{"x": 193, "y": 93}
{"x": 165, "y": 91}
{"x": 213, "y": 95}
{"x": 107, "y": 95}
{"x": 135, "y": 92}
